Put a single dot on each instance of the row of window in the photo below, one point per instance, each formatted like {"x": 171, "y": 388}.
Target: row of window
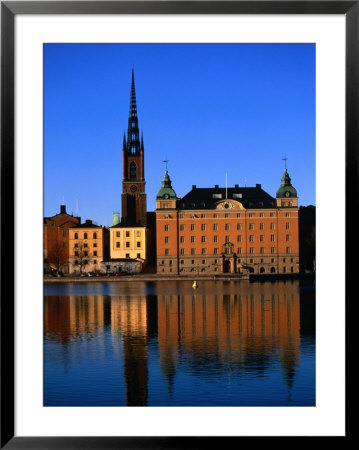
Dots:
{"x": 127, "y": 255}
{"x": 128, "y": 233}
{"x": 261, "y": 270}
{"x": 285, "y": 204}
{"x": 85, "y": 261}
{"x": 85, "y": 245}
{"x": 216, "y": 261}
{"x": 193, "y": 205}
{"x": 85, "y": 235}
{"x": 128, "y": 244}
{"x": 227, "y": 238}
{"x": 85, "y": 253}
{"x": 227, "y": 226}
{"x": 214, "y": 215}
{"x": 203, "y": 251}
{"x": 94, "y": 235}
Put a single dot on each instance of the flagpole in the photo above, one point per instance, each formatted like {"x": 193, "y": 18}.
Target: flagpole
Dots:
{"x": 226, "y": 186}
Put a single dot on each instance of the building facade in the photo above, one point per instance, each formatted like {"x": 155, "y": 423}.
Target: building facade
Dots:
{"x": 88, "y": 247}
{"x": 236, "y": 230}
{"x": 56, "y": 240}
{"x": 128, "y": 248}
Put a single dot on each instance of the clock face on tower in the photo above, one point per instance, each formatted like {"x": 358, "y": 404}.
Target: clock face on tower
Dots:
{"x": 287, "y": 193}
{"x": 227, "y": 205}
{"x": 133, "y": 188}
{"x": 166, "y": 196}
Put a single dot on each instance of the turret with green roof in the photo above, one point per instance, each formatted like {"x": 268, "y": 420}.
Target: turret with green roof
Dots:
{"x": 286, "y": 189}
{"x": 166, "y": 192}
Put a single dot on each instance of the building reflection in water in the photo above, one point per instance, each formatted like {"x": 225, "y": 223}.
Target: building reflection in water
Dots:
{"x": 236, "y": 327}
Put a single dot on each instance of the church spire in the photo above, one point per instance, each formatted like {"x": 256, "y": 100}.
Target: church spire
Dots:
{"x": 133, "y": 105}
{"x": 133, "y": 134}
{"x": 133, "y": 199}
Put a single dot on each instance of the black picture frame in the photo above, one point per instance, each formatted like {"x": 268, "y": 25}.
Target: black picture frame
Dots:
{"x": 9, "y": 9}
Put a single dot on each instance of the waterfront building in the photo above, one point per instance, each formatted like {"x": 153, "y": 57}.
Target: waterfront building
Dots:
{"x": 88, "y": 247}
{"x": 128, "y": 248}
{"x": 56, "y": 240}
{"x": 219, "y": 230}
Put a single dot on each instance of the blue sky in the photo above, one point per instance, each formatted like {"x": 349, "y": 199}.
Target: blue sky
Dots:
{"x": 210, "y": 109}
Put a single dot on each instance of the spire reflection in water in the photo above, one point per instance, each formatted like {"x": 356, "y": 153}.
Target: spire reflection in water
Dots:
{"x": 163, "y": 344}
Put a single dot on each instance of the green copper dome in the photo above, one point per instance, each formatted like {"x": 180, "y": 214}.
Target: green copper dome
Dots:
{"x": 286, "y": 189}
{"x": 166, "y": 190}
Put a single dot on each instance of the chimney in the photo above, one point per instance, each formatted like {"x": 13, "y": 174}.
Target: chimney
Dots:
{"x": 88, "y": 222}
{"x": 236, "y": 186}
{"x": 216, "y": 186}
{"x": 194, "y": 186}
{"x": 62, "y": 209}
{"x": 258, "y": 186}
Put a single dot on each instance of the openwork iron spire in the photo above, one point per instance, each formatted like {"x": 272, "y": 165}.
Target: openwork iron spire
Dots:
{"x": 133, "y": 134}
{"x": 133, "y": 105}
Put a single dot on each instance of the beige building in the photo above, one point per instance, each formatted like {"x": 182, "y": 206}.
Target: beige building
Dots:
{"x": 88, "y": 247}
{"x": 128, "y": 248}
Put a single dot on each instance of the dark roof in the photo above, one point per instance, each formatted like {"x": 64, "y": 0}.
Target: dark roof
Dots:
{"x": 89, "y": 224}
{"x": 127, "y": 225}
{"x": 56, "y": 216}
{"x": 207, "y": 198}
{"x": 115, "y": 260}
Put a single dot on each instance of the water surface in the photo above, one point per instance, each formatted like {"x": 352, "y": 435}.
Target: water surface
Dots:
{"x": 164, "y": 344}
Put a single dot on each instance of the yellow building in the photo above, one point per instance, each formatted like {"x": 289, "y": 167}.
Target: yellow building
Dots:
{"x": 128, "y": 248}
{"x": 88, "y": 247}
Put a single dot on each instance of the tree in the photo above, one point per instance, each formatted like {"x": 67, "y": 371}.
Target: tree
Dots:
{"x": 57, "y": 255}
{"x": 81, "y": 256}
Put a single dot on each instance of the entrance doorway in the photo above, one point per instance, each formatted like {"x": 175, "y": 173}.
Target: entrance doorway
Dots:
{"x": 226, "y": 266}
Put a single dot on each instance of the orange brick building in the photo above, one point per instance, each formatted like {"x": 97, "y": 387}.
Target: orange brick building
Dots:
{"x": 56, "y": 239}
{"x": 227, "y": 230}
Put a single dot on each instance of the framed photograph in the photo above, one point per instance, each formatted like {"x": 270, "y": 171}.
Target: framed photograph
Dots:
{"x": 169, "y": 171}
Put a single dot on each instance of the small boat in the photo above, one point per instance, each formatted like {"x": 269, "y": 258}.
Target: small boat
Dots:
{"x": 195, "y": 285}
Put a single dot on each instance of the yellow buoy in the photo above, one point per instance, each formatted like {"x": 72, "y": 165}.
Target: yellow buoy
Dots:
{"x": 195, "y": 285}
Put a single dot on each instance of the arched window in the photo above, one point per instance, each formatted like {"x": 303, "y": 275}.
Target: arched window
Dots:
{"x": 133, "y": 171}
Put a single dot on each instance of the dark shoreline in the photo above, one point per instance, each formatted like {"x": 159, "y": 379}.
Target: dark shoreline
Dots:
{"x": 310, "y": 277}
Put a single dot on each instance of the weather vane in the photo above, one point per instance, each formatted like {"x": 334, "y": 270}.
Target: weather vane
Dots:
{"x": 165, "y": 161}
{"x": 285, "y": 162}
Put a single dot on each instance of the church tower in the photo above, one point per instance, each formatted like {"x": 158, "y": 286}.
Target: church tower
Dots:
{"x": 133, "y": 199}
